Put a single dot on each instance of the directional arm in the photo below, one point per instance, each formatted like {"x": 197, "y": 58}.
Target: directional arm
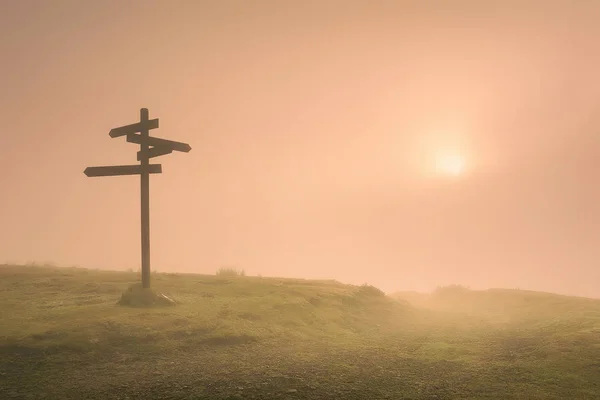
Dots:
{"x": 155, "y": 152}
{"x": 116, "y": 170}
{"x": 156, "y": 142}
{"x": 133, "y": 128}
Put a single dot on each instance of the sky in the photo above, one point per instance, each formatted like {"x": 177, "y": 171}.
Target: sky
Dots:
{"x": 403, "y": 144}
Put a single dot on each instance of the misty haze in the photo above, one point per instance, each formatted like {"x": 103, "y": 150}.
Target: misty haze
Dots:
{"x": 355, "y": 199}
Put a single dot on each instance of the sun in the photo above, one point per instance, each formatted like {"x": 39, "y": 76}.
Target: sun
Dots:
{"x": 443, "y": 153}
{"x": 451, "y": 164}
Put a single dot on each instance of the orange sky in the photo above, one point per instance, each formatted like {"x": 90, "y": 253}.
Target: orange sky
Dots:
{"x": 316, "y": 128}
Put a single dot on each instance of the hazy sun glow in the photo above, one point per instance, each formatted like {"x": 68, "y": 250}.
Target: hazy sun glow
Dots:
{"x": 451, "y": 164}
{"x": 443, "y": 149}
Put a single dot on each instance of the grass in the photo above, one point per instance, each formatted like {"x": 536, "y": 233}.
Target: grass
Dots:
{"x": 62, "y": 336}
{"x": 230, "y": 272}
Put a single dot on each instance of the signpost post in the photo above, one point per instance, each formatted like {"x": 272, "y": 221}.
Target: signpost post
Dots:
{"x": 150, "y": 147}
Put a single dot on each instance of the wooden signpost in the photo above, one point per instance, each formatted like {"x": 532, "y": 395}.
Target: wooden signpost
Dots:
{"x": 150, "y": 147}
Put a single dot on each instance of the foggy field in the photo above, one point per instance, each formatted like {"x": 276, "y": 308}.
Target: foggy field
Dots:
{"x": 62, "y": 336}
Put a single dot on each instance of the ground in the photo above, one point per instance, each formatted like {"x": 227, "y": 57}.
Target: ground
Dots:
{"x": 63, "y": 336}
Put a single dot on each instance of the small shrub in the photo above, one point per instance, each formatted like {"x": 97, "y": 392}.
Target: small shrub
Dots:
{"x": 453, "y": 288}
{"x": 230, "y": 272}
{"x": 370, "y": 291}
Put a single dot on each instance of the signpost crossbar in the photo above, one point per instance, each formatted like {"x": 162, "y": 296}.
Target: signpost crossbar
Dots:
{"x": 157, "y": 142}
{"x": 116, "y": 170}
{"x": 155, "y": 152}
{"x": 133, "y": 128}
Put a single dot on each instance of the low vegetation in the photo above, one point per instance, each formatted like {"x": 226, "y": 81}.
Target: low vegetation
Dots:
{"x": 230, "y": 272}
{"x": 63, "y": 336}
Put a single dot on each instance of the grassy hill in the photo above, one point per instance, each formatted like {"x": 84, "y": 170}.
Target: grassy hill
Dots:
{"x": 508, "y": 306}
{"x": 62, "y": 336}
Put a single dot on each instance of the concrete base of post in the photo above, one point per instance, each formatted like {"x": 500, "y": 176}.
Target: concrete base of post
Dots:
{"x": 137, "y": 296}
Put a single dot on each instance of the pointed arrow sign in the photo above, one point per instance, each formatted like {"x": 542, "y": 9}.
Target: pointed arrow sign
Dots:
{"x": 155, "y": 152}
{"x": 156, "y": 142}
{"x": 116, "y": 170}
{"x": 133, "y": 128}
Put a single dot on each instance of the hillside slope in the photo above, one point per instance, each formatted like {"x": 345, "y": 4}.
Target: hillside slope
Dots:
{"x": 506, "y": 306}
{"x": 45, "y": 307}
{"x": 62, "y": 336}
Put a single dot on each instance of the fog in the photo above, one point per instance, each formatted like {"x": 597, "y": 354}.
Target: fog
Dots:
{"x": 402, "y": 144}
